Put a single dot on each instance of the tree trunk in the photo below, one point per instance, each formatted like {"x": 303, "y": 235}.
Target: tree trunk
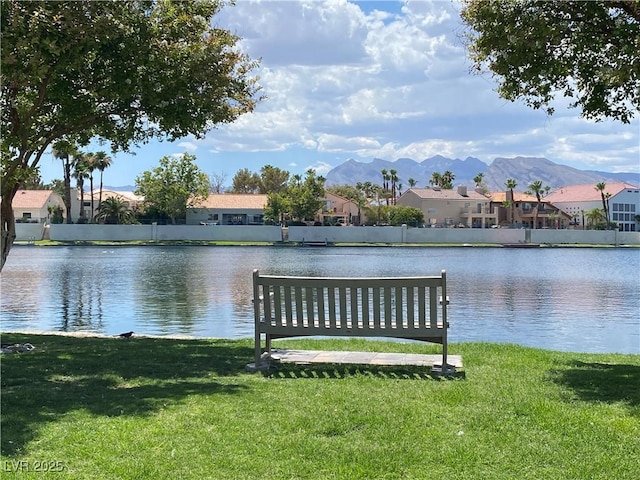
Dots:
{"x": 7, "y": 225}
{"x": 93, "y": 213}
{"x": 100, "y": 196}
{"x": 67, "y": 188}
{"x": 81, "y": 187}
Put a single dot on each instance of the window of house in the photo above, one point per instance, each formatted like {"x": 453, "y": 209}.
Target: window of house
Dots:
{"x": 26, "y": 215}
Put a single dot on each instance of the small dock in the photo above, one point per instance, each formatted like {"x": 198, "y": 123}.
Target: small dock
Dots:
{"x": 315, "y": 243}
{"x": 521, "y": 245}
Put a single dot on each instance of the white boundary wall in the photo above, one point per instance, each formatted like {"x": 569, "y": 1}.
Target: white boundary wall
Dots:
{"x": 234, "y": 233}
{"x": 29, "y": 231}
{"x": 266, "y": 233}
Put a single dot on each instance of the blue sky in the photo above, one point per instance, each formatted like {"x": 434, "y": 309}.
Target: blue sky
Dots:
{"x": 378, "y": 79}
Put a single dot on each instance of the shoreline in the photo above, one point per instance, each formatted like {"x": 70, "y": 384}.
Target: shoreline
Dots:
{"x": 213, "y": 243}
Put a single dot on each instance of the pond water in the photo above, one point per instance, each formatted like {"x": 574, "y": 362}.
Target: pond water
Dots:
{"x": 569, "y": 299}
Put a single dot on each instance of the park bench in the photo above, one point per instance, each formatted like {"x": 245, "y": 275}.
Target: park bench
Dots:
{"x": 409, "y": 308}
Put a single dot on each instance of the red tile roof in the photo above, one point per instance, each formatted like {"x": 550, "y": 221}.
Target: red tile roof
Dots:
{"x": 585, "y": 193}
{"x": 446, "y": 194}
{"x": 31, "y": 198}
{"x": 500, "y": 197}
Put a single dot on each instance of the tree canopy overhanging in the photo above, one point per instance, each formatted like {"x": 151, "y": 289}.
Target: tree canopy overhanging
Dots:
{"x": 588, "y": 51}
{"x": 125, "y": 72}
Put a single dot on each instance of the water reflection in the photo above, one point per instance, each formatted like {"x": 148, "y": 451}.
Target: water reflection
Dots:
{"x": 567, "y": 299}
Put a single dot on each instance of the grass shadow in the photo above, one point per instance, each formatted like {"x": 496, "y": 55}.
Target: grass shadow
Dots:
{"x": 333, "y": 371}
{"x": 602, "y": 382}
{"x": 109, "y": 377}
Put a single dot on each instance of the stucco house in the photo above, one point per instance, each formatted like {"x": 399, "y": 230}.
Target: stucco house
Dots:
{"x": 339, "y": 210}
{"x": 32, "y": 206}
{"x": 451, "y": 207}
{"x": 130, "y": 199}
{"x": 624, "y": 203}
{"x": 228, "y": 209}
{"x": 523, "y": 209}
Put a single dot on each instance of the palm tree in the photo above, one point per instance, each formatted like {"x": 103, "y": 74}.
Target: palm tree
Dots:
{"x": 536, "y": 188}
{"x": 447, "y": 179}
{"x": 63, "y": 150}
{"x": 91, "y": 164}
{"x": 412, "y": 182}
{"x": 386, "y": 176}
{"x": 605, "y": 197}
{"x": 113, "y": 211}
{"x": 80, "y": 173}
{"x": 510, "y": 184}
{"x": 393, "y": 176}
{"x": 103, "y": 161}
{"x": 594, "y": 216}
{"x": 436, "y": 179}
{"x": 478, "y": 179}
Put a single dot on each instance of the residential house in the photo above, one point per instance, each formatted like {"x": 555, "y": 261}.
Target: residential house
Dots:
{"x": 339, "y": 210}
{"x": 523, "y": 208}
{"x": 451, "y": 207}
{"x": 623, "y": 203}
{"x": 130, "y": 199}
{"x": 32, "y": 206}
{"x": 228, "y": 209}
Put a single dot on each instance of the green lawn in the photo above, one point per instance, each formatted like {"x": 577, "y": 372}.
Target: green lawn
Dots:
{"x": 102, "y": 408}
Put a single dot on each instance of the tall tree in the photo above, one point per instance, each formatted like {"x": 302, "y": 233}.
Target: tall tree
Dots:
{"x": 537, "y": 49}
{"x": 103, "y": 161}
{"x": 175, "y": 185}
{"x": 447, "y": 179}
{"x": 305, "y": 196}
{"x": 412, "y": 182}
{"x": 244, "y": 181}
{"x": 436, "y": 179}
{"x": 125, "y": 72}
{"x": 32, "y": 180}
{"x": 601, "y": 187}
{"x": 63, "y": 150}
{"x": 80, "y": 173}
{"x": 91, "y": 163}
{"x": 510, "y": 184}
{"x": 536, "y": 188}
{"x": 393, "y": 177}
{"x": 217, "y": 182}
{"x": 273, "y": 179}
{"x": 276, "y": 208}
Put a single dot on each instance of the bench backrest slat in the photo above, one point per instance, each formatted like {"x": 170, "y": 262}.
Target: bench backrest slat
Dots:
{"x": 347, "y": 303}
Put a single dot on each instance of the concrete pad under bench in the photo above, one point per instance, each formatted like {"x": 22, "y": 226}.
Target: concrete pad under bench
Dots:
{"x": 308, "y": 357}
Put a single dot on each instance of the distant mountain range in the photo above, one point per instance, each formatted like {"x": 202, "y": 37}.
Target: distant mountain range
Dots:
{"x": 523, "y": 169}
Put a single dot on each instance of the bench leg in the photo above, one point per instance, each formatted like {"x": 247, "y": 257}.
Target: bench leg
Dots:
{"x": 258, "y": 351}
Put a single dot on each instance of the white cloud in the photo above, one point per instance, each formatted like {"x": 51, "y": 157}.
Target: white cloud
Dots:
{"x": 379, "y": 79}
{"x": 188, "y": 146}
{"x": 322, "y": 168}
